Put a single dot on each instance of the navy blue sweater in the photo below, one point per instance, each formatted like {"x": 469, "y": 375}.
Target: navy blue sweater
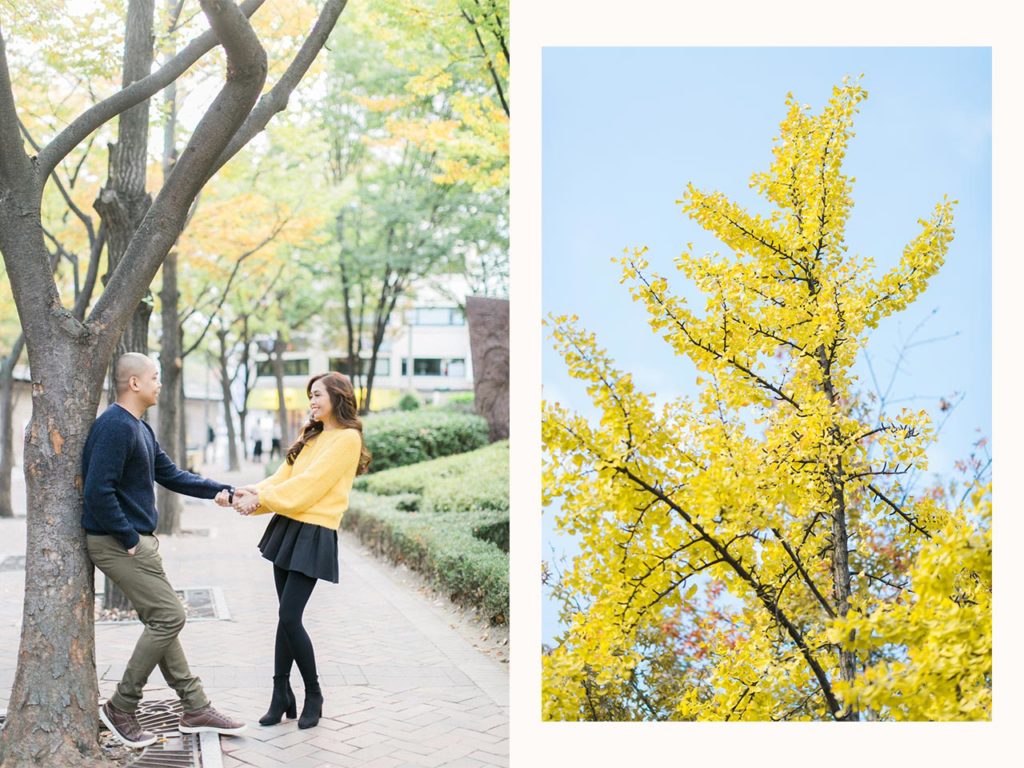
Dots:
{"x": 120, "y": 463}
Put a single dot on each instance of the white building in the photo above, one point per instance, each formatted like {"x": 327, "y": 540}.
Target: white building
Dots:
{"x": 425, "y": 352}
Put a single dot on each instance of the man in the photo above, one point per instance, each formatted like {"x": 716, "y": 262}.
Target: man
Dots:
{"x": 120, "y": 463}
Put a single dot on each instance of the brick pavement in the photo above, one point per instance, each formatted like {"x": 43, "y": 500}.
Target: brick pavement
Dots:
{"x": 401, "y": 686}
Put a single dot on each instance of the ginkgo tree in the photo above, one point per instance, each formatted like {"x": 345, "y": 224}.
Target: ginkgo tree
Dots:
{"x": 750, "y": 553}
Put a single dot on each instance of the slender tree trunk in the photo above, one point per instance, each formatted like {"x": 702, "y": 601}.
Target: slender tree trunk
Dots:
{"x": 225, "y": 387}
{"x": 7, "y": 365}
{"x": 123, "y": 202}
{"x": 182, "y": 433}
{"x": 168, "y": 502}
{"x": 841, "y": 577}
{"x": 244, "y": 365}
{"x": 282, "y": 410}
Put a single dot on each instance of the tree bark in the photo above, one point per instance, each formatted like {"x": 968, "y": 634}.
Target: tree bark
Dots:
{"x": 225, "y": 389}
{"x": 57, "y": 627}
{"x": 282, "y": 410}
{"x": 123, "y": 202}
{"x": 168, "y": 502}
{"x": 841, "y": 578}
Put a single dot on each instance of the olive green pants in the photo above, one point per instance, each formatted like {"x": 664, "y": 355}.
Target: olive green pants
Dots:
{"x": 142, "y": 579}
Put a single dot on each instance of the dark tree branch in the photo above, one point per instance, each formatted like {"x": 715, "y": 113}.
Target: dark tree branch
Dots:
{"x": 490, "y": 66}
{"x": 895, "y": 508}
{"x": 276, "y": 99}
{"x": 128, "y": 97}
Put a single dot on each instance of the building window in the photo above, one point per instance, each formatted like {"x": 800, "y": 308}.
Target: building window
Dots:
{"x": 456, "y": 368}
{"x": 436, "y": 316}
{"x": 435, "y": 366}
{"x": 426, "y": 366}
{"x": 298, "y": 367}
{"x": 340, "y": 364}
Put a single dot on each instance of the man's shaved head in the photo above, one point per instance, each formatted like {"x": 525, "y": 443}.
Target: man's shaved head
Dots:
{"x": 131, "y": 364}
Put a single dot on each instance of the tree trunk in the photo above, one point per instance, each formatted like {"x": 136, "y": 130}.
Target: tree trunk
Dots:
{"x": 7, "y": 426}
{"x": 58, "y": 610}
{"x": 168, "y": 502}
{"x": 282, "y": 410}
{"x": 244, "y": 364}
{"x": 225, "y": 388}
{"x": 841, "y": 579}
{"x": 183, "y": 415}
{"x": 123, "y": 202}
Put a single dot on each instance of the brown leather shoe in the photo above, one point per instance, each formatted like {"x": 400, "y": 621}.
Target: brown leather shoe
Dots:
{"x": 209, "y": 720}
{"x": 125, "y": 727}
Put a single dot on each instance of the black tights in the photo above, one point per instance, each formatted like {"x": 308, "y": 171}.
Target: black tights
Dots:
{"x": 292, "y": 643}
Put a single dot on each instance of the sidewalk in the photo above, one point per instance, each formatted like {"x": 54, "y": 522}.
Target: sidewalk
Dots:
{"x": 401, "y": 686}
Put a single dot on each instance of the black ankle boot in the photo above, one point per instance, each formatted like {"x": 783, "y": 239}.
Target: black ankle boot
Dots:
{"x": 311, "y": 707}
{"x": 282, "y": 702}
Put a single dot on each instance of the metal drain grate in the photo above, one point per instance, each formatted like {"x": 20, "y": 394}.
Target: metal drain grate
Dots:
{"x": 201, "y": 604}
{"x": 172, "y": 749}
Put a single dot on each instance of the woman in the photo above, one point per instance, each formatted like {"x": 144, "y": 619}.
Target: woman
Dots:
{"x": 308, "y": 495}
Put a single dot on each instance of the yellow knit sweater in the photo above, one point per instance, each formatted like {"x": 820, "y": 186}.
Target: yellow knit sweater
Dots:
{"x": 315, "y": 488}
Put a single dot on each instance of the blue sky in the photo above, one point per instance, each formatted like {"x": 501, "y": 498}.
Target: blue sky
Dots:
{"x": 625, "y": 129}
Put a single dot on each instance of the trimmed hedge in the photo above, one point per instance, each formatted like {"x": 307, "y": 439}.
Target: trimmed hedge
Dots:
{"x": 447, "y": 518}
{"x": 409, "y": 437}
{"x": 442, "y": 546}
{"x": 476, "y": 480}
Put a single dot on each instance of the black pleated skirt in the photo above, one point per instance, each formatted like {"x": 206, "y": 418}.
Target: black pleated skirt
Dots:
{"x": 303, "y": 547}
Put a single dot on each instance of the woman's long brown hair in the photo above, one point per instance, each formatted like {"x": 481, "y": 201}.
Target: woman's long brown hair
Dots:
{"x": 343, "y": 405}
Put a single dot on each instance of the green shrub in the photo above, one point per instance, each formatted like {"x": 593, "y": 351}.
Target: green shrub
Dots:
{"x": 461, "y": 402}
{"x": 496, "y": 533}
{"x": 447, "y": 518}
{"x": 409, "y": 402}
{"x": 408, "y": 437}
{"x": 442, "y": 546}
{"x": 475, "y": 480}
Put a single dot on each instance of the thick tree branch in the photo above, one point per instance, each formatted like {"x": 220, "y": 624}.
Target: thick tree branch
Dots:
{"x": 15, "y": 167}
{"x": 128, "y": 97}
{"x": 276, "y": 99}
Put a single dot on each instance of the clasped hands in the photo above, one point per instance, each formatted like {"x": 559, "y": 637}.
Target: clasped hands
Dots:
{"x": 246, "y": 500}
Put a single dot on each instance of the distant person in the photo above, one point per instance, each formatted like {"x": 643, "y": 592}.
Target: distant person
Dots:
{"x": 275, "y": 443}
{"x": 257, "y": 450}
{"x": 120, "y": 463}
{"x": 308, "y": 496}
